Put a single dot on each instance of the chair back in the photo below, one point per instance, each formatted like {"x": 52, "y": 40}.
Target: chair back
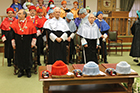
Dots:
{"x": 112, "y": 35}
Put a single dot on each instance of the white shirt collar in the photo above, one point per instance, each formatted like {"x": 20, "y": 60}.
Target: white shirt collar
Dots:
{"x": 32, "y": 16}
{"x": 23, "y": 20}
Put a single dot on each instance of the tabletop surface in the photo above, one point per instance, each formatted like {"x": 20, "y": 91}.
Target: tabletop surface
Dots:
{"x": 70, "y": 68}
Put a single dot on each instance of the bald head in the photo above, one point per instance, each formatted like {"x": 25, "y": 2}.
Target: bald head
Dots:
{"x": 22, "y": 14}
{"x": 91, "y": 18}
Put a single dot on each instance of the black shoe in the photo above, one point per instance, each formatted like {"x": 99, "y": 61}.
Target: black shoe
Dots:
{"x": 9, "y": 62}
{"x": 9, "y": 65}
{"x": 20, "y": 74}
{"x": 28, "y": 72}
{"x": 106, "y": 62}
{"x": 71, "y": 62}
{"x": 39, "y": 64}
{"x": 136, "y": 60}
{"x": 138, "y": 64}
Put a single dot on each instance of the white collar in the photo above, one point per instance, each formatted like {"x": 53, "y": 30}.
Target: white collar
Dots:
{"x": 40, "y": 17}
{"x": 23, "y": 20}
{"x": 100, "y": 20}
{"x": 32, "y": 17}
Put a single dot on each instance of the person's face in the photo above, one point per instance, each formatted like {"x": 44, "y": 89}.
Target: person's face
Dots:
{"x": 68, "y": 20}
{"x": 40, "y": 13}
{"x": 100, "y": 16}
{"x": 21, "y": 16}
{"x": 80, "y": 16}
{"x": 10, "y": 14}
{"x": 32, "y": 12}
{"x": 88, "y": 10}
{"x": 91, "y": 18}
{"x": 75, "y": 5}
{"x": 64, "y": 5}
{"x": 51, "y": 3}
{"x": 40, "y": 3}
{"x": 28, "y": 0}
{"x": 83, "y": 15}
{"x": 15, "y": 1}
{"x": 51, "y": 15}
{"x": 57, "y": 13}
{"x": 28, "y": 6}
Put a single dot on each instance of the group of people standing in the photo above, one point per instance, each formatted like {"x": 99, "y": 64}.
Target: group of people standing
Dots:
{"x": 57, "y": 31}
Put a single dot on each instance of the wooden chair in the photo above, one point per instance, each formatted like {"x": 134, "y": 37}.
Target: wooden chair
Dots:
{"x": 78, "y": 48}
{"x": 113, "y": 41}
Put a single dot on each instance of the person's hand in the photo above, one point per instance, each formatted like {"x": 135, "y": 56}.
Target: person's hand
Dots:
{"x": 32, "y": 46}
{"x": 59, "y": 39}
{"x": 102, "y": 36}
{"x": 69, "y": 39}
{"x": 86, "y": 45}
{"x": 14, "y": 47}
{"x": 98, "y": 46}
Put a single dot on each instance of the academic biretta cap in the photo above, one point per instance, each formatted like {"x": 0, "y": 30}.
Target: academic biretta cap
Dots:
{"x": 99, "y": 12}
{"x": 69, "y": 16}
{"x": 82, "y": 10}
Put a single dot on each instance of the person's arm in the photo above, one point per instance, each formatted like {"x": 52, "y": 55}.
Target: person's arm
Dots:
{"x": 13, "y": 39}
{"x": 3, "y": 36}
{"x": 133, "y": 29}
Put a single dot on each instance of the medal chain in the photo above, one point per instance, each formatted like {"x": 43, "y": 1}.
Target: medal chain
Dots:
{"x": 23, "y": 26}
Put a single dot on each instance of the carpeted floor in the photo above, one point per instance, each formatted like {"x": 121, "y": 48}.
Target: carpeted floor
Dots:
{"x": 9, "y": 83}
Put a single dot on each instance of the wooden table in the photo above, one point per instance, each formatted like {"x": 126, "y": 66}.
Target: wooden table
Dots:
{"x": 112, "y": 81}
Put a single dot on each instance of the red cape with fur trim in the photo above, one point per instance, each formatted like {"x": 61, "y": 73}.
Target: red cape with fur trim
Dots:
{"x": 6, "y": 24}
{"x": 30, "y": 28}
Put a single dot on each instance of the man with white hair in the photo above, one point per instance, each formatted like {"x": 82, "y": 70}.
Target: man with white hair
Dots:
{"x": 90, "y": 35}
{"x": 56, "y": 29}
{"x": 84, "y": 16}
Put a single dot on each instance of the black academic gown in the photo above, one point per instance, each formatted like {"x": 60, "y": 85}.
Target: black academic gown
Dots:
{"x": 103, "y": 46}
{"x": 72, "y": 45}
{"x": 8, "y": 49}
{"x": 135, "y": 47}
{"x": 90, "y": 51}
{"x": 23, "y": 51}
{"x": 39, "y": 44}
{"x": 57, "y": 51}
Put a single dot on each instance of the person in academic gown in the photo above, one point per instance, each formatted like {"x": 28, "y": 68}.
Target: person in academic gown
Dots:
{"x": 24, "y": 39}
{"x": 45, "y": 33}
{"x": 57, "y": 28}
{"x": 75, "y": 9}
{"x": 32, "y": 16}
{"x": 40, "y": 2}
{"x": 50, "y": 3}
{"x": 7, "y": 35}
{"x": 135, "y": 47}
{"x": 104, "y": 28}
{"x": 16, "y": 5}
{"x": 78, "y": 20}
{"x": 40, "y": 20}
{"x": 24, "y": 5}
{"x": 63, "y": 8}
{"x": 52, "y": 6}
{"x": 90, "y": 35}
{"x": 71, "y": 34}
{"x": 84, "y": 16}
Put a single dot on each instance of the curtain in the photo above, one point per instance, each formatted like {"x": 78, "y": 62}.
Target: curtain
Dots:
{"x": 136, "y": 6}
{"x": 126, "y": 5}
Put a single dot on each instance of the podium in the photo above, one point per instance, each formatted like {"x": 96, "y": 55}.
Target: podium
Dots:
{"x": 119, "y": 21}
